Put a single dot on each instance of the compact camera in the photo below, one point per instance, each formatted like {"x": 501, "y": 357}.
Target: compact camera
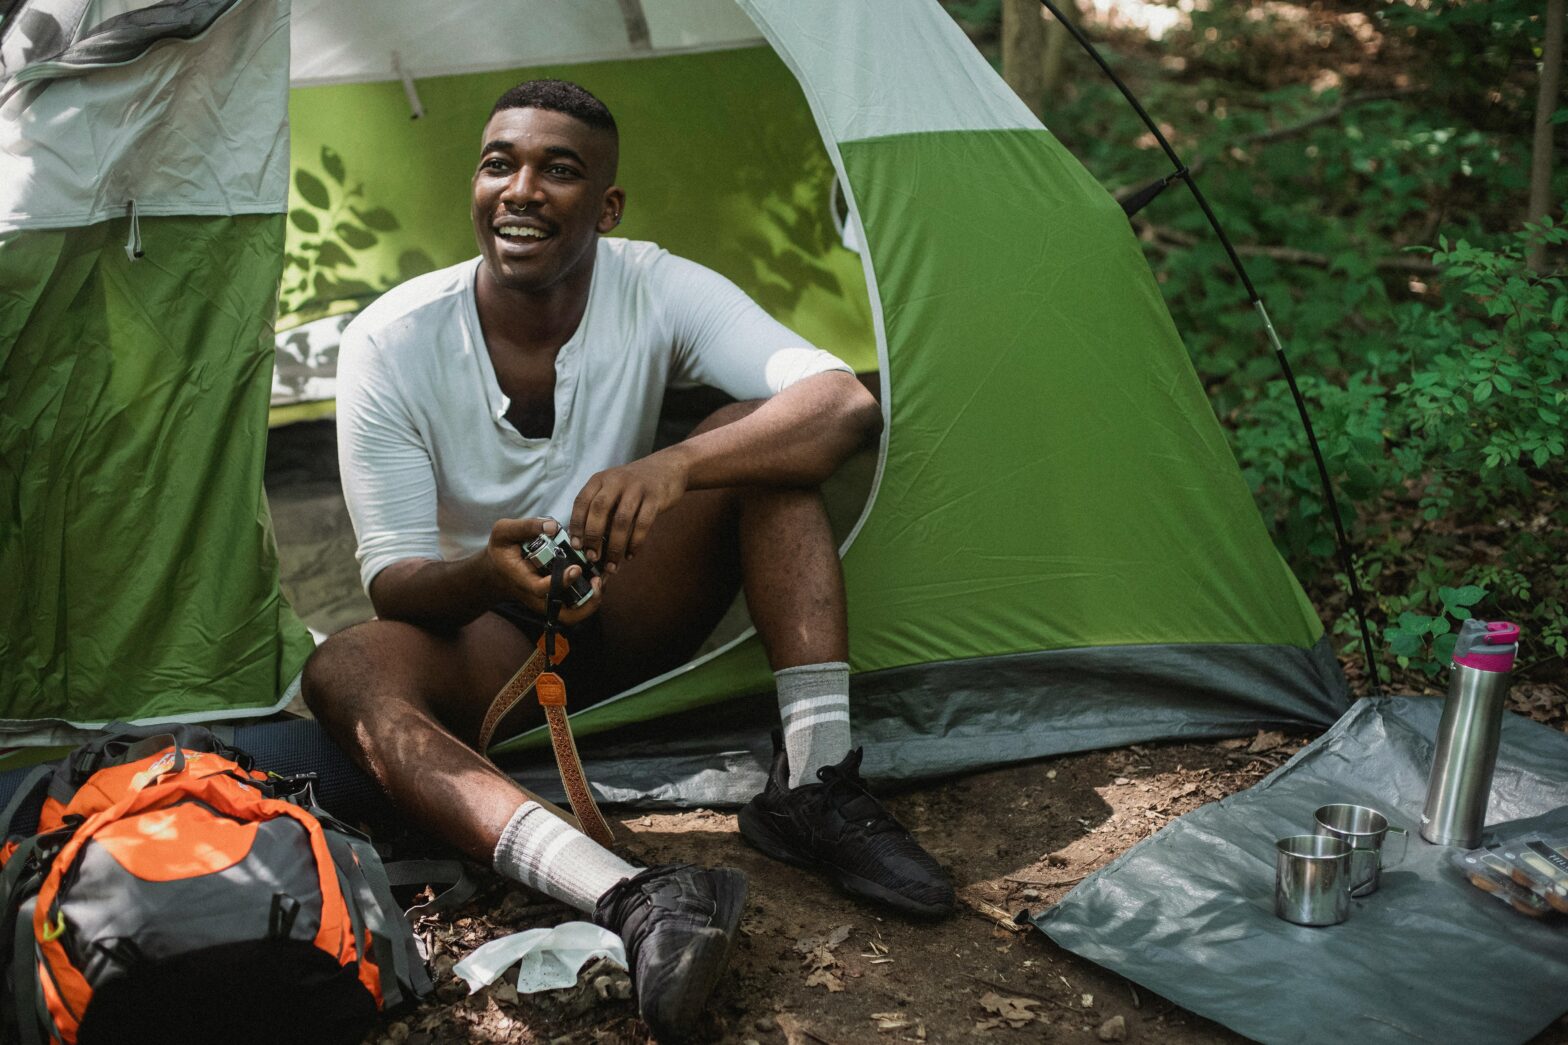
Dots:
{"x": 542, "y": 552}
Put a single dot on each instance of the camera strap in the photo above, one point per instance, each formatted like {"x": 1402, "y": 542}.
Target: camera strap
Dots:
{"x": 536, "y": 675}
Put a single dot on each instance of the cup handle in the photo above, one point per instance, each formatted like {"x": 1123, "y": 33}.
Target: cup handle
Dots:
{"x": 1404, "y": 847}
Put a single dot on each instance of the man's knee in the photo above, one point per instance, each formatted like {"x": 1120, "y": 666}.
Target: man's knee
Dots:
{"x": 346, "y": 669}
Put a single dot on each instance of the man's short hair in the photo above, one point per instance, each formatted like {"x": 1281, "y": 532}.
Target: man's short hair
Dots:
{"x": 561, "y": 96}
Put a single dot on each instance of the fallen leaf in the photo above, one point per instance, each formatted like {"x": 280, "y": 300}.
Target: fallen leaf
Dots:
{"x": 1236, "y": 744}
{"x": 821, "y": 958}
{"x": 825, "y": 978}
{"x": 1016, "y": 1011}
{"x": 1123, "y": 780}
{"x": 829, "y": 940}
{"x": 796, "y": 1032}
{"x": 1265, "y": 742}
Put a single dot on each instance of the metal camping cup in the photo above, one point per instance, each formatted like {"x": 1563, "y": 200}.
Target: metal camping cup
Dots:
{"x": 1312, "y": 879}
{"x": 1364, "y": 830}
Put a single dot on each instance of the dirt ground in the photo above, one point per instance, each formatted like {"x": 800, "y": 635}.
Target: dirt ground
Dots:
{"x": 813, "y": 967}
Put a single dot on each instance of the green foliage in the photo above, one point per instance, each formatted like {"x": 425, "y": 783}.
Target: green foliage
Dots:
{"x": 1379, "y": 224}
{"x": 1448, "y": 452}
{"x": 980, "y": 15}
{"x": 1428, "y": 642}
{"x": 1471, "y": 47}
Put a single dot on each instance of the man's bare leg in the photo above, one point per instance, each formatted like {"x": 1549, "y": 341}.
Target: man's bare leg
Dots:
{"x": 387, "y": 692}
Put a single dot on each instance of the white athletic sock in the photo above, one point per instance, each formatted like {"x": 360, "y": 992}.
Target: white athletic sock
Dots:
{"x": 814, "y": 704}
{"x": 546, "y": 853}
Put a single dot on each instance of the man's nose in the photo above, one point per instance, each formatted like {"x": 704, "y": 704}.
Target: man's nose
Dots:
{"x": 522, "y": 188}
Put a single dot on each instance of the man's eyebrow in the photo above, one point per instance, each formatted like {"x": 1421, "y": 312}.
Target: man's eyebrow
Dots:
{"x": 561, "y": 150}
{"x": 502, "y": 145}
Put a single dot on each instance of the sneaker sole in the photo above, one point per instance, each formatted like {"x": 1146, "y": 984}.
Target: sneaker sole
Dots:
{"x": 675, "y": 1013}
{"x": 755, "y": 830}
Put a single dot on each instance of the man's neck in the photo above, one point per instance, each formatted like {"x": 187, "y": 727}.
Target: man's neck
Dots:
{"x": 531, "y": 319}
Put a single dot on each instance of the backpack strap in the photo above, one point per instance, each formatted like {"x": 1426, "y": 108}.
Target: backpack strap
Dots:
{"x": 459, "y": 887}
{"x": 390, "y": 937}
{"x": 24, "y": 977}
{"x": 33, "y": 785}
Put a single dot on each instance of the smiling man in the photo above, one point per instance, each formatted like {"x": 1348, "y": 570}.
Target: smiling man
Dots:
{"x": 481, "y": 402}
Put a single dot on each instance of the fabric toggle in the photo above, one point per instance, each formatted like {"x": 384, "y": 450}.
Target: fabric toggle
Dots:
{"x": 133, "y": 244}
{"x": 416, "y": 108}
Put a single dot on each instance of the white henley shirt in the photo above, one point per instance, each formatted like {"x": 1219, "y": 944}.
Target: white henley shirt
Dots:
{"x": 428, "y": 459}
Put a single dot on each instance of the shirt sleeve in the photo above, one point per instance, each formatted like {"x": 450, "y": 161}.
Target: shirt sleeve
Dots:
{"x": 388, "y": 480}
{"x": 724, "y": 339}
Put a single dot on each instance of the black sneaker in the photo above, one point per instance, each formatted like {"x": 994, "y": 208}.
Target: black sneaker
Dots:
{"x": 678, "y": 924}
{"x": 837, "y": 827}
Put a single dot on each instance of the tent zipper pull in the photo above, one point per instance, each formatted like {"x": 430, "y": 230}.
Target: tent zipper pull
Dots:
{"x": 416, "y": 109}
{"x": 133, "y": 244}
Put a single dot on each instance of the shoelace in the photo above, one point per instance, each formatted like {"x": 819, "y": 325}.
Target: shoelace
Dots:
{"x": 842, "y": 791}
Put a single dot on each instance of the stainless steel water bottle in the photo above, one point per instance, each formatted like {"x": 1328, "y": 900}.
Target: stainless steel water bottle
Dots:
{"x": 1461, "y": 781}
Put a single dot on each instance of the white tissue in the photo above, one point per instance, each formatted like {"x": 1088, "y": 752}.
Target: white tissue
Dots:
{"x": 551, "y": 958}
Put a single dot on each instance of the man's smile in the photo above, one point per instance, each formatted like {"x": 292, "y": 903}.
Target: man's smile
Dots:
{"x": 517, "y": 235}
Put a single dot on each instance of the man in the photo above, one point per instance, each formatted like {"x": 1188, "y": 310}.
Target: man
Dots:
{"x": 478, "y": 403}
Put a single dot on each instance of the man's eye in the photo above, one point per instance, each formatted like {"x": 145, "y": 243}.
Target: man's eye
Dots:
{"x": 562, "y": 171}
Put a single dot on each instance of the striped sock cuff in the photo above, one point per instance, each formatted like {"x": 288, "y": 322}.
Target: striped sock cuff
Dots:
{"x": 814, "y": 709}
{"x": 543, "y": 852}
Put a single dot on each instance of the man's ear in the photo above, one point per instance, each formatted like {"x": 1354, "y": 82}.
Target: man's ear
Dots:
{"x": 614, "y": 207}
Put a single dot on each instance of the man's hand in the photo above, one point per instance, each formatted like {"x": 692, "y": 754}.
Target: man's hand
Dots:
{"x": 517, "y": 578}
{"x": 616, "y": 508}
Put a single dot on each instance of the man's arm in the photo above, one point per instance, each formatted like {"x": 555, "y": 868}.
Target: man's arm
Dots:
{"x": 798, "y": 437}
{"x": 449, "y": 594}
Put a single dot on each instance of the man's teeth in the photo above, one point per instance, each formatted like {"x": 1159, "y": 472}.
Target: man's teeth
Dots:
{"x": 522, "y": 232}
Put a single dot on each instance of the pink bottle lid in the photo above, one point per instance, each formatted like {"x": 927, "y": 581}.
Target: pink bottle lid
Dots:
{"x": 1487, "y": 645}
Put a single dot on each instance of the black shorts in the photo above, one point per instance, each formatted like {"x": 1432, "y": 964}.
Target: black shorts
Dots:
{"x": 588, "y": 672}
{"x": 589, "y": 632}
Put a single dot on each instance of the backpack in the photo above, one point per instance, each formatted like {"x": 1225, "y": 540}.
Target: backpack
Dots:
{"x": 173, "y": 892}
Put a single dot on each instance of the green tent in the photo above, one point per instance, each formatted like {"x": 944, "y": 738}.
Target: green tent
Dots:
{"x": 1058, "y": 551}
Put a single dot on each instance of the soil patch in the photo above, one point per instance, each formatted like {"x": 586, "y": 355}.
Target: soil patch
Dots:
{"x": 813, "y": 966}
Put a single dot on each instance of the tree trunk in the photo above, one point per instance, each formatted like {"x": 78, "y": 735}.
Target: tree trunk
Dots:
{"x": 1546, "y": 103}
{"x": 1023, "y": 50}
{"x": 1058, "y": 42}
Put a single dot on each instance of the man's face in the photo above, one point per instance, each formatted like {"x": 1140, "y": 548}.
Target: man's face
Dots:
{"x": 542, "y": 191}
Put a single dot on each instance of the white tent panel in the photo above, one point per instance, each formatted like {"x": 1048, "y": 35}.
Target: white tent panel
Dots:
{"x": 336, "y": 42}
{"x": 881, "y": 67}
{"x": 696, "y": 24}
{"x": 149, "y": 136}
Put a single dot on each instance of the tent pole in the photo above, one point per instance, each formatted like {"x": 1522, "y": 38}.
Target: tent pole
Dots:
{"x": 1346, "y": 559}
